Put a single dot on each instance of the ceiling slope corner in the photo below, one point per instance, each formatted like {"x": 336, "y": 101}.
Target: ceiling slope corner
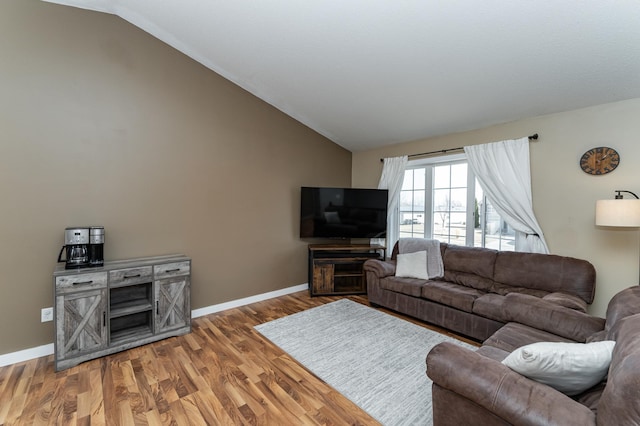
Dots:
{"x": 105, "y": 6}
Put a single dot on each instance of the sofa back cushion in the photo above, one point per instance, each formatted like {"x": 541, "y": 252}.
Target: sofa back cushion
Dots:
{"x": 546, "y": 273}
{"x": 469, "y": 266}
{"x": 623, "y": 304}
{"x": 504, "y": 272}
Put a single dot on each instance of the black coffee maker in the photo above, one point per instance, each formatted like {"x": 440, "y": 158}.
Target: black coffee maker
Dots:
{"x": 76, "y": 248}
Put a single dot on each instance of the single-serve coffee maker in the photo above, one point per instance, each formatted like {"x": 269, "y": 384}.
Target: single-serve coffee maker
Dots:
{"x": 76, "y": 248}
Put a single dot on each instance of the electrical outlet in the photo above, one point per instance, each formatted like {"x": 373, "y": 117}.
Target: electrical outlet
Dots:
{"x": 46, "y": 315}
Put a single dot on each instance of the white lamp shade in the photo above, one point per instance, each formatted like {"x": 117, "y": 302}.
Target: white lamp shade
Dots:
{"x": 625, "y": 213}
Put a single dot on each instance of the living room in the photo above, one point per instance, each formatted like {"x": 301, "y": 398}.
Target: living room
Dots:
{"x": 104, "y": 123}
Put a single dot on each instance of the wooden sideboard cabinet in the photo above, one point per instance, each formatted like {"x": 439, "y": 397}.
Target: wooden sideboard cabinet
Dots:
{"x": 337, "y": 269}
{"x": 128, "y": 303}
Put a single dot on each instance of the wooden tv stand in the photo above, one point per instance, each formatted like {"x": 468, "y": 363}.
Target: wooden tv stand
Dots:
{"x": 336, "y": 269}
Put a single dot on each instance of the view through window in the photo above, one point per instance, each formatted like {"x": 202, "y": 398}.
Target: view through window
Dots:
{"x": 444, "y": 201}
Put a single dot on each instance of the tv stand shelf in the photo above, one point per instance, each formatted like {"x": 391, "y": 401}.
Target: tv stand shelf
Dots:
{"x": 336, "y": 269}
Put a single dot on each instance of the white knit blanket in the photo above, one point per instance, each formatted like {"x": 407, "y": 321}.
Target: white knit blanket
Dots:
{"x": 435, "y": 267}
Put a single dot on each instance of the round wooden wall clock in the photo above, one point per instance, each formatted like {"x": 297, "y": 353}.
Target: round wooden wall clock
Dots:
{"x": 600, "y": 160}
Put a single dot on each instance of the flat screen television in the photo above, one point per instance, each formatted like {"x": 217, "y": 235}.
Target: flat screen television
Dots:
{"x": 343, "y": 213}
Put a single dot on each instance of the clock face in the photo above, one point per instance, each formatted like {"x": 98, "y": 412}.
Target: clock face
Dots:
{"x": 600, "y": 160}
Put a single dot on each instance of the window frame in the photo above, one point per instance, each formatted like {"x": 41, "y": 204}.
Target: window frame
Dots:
{"x": 428, "y": 232}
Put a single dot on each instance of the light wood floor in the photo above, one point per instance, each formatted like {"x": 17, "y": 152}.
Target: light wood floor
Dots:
{"x": 223, "y": 373}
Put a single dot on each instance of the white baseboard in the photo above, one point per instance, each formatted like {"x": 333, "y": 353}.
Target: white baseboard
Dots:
{"x": 247, "y": 300}
{"x": 26, "y": 354}
{"x": 45, "y": 350}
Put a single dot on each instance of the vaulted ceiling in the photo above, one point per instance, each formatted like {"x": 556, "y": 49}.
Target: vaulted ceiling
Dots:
{"x": 367, "y": 73}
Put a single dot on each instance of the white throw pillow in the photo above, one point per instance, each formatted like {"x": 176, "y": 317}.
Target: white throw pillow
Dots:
{"x": 412, "y": 265}
{"x": 570, "y": 368}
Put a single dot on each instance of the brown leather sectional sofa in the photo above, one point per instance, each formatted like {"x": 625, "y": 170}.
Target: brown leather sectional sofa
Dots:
{"x": 508, "y": 300}
{"x": 474, "y": 387}
{"x": 469, "y": 299}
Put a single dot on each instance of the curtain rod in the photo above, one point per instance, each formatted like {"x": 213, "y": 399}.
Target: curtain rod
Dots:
{"x": 533, "y": 137}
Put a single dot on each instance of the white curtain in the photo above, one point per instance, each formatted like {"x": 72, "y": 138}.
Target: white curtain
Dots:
{"x": 503, "y": 171}
{"x": 391, "y": 179}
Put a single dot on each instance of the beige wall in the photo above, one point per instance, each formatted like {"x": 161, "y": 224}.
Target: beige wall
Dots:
{"x": 564, "y": 197}
{"x": 103, "y": 124}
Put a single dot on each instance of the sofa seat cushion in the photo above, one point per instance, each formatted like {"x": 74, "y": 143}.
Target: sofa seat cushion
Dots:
{"x": 493, "y": 353}
{"x": 508, "y": 289}
{"x": 514, "y": 335}
{"x": 454, "y": 295}
{"x": 490, "y": 306}
{"x": 591, "y": 397}
{"x": 408, "y": 286}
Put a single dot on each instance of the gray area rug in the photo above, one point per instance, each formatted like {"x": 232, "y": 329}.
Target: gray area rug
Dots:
{"x": 373, "y": 358}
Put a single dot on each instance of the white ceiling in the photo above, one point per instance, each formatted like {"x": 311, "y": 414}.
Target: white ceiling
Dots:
{"x": 367, "y": 73}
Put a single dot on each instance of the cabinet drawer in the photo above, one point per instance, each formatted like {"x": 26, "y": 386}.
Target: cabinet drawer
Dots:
{"x": 128, "y": 276}
{"x": 81, "y": 282}
{"x": 171, "y": 270}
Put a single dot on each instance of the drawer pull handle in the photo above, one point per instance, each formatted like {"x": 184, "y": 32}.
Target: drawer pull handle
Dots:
{"x": 172, "y": 270}
{"x": 126, "y": 277}
{"x": 82, "y": 282}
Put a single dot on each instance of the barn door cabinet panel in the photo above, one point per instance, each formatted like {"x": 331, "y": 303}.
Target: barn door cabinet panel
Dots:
{"x": 172, "y": 296}
{"x": 121, "y": 305}
{"x": 81, "y": 318}
{"x": 172, "y": 304}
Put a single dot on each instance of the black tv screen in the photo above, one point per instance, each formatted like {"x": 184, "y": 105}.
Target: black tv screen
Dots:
{"x": 343, "y": 213}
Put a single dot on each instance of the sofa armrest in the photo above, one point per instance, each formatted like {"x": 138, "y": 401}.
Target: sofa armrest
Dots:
{"x": 500, "y": 390}
{"x": 381, "y": 268}
{"x": 551, "y": 317}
